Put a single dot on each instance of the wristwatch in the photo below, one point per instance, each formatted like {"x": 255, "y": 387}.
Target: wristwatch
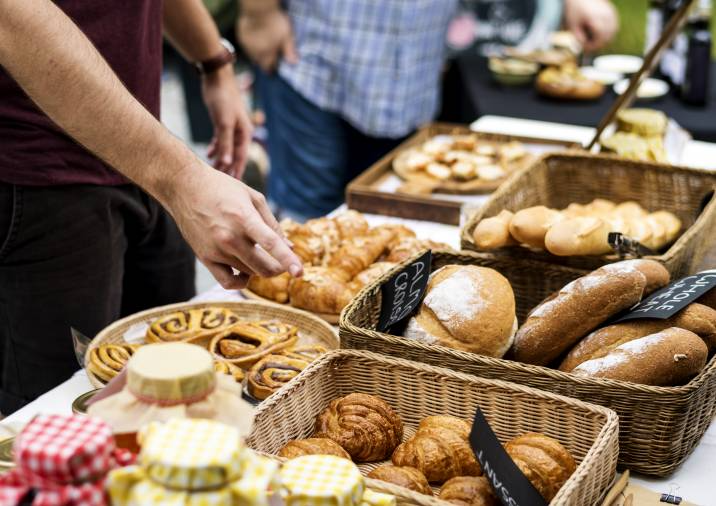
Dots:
{"x": 227, "y": 56}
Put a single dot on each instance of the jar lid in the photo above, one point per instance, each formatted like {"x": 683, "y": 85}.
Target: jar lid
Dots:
{"x": 171, "y": 373}
{"x": 80, "y": 404}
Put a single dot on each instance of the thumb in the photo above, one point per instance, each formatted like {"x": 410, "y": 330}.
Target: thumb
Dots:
{"x": 290, "y": 55}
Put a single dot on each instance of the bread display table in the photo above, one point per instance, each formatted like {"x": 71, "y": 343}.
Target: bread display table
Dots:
{"x": 690, "y": 481}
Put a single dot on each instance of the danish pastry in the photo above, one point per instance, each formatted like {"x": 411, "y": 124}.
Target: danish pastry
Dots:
{"x": 307, "y": 352}
{"x": 440, "y": 449}
{"x": 196, "y": 326}
{"x": 244, "y": 343}
{"x": 469, "y": 491}
{"x": 364, "y": 425}
{"x": 107, "y": 360}
{"x": 271, "y": 373}
{"x": 312, "y": 446}
{"x": 407, "y": 477}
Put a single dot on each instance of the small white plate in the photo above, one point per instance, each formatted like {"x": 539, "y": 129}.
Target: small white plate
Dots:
{"x": 649, "y": 89}
{"x": 621, "y": 63}
{"x": 603, "y": 76}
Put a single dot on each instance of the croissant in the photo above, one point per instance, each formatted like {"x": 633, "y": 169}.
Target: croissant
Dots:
{"x": 230, "y": 370}
{"x": 320, "y": 290}
{"x": 315, "y": 240}
{"x": 351, "y": 224}
{"x": 400, "y": 233}
{"x": 409, "y": 247}
{"x": 469, "y": 491}
{"x": 107, "y": 360}
{"x": 307, "y": 352}
{"x": 196, "y": 326}
{"x": 364, "y": 425}
{"x": 271, "y": 373}
{"x": 366, "y": 277}
{"x": 407, "y": 477}
{"x": 440, "y": 449}
{"x": 275, "y": 288}
{"x": 245, "y": 343}
{"x": 357, "y": 253}
{"x": 312, "y": 446}
{"x": 543, "y": 460}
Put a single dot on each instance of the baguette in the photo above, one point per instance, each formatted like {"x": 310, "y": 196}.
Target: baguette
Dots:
{"x": 529, "y": 226}
{"x": 561, "y": 320}
{"x": 670, "y": 357}
{"x": 494, "y": 232}
{"x": 696, "y": 318}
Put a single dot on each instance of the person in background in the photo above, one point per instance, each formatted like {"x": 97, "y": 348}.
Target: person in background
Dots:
{"x": 79, "y": 244}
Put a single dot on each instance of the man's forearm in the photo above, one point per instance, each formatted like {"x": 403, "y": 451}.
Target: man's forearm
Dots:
{"x": 68, "y": 79}
{"x": 191, "y": 30}
{"x": 257, "y": 7}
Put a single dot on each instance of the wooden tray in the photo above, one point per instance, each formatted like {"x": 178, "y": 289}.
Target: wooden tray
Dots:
{"x": 311, "y": 330}
{"x": 363, "y": 193}
{"x": 326, "y": 317}
{"x": 417, "y": 390}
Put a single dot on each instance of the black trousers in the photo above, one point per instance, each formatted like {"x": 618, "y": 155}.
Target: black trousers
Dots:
{"x": 80, "y": 256}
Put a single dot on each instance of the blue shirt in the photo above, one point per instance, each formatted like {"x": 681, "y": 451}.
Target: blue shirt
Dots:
{"x": 377, "y": 63}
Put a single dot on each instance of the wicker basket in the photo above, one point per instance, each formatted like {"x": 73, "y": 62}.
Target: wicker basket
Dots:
{"x": 311, "y": 329}
{"x": 556, "y": 180}
{"x": 416, "y": 390}
{"x": 659, "y": 426}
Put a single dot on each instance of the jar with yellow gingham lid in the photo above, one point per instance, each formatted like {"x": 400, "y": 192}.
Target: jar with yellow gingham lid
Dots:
{"x": 325, "y": 480}
{"x": 197, "y": 463}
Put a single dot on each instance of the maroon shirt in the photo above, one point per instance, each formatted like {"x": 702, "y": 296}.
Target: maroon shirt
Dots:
{"x": 35, "y": 151}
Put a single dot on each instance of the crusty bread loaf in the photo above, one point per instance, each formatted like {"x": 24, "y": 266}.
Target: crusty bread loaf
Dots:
{"x": 709, "y": 299}
{"x": 670, "y": 357}
{"x": 583, "y": 235}
{"x": 697, "y": 318}
{"x": 494, "y": 232}
{"x": 468, "y": 308}
{"x": 561, "y": 320}
{"x": 529, "y": 226}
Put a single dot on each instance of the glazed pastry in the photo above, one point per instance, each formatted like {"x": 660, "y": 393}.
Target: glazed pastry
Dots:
{"x": 271, "y": 373}
{"x": 307, "y": 352}
{"x": 555, "y": 325}
{"x": 440, "y": 449}
{"x": 196, "y": 326}
{"x": 468, "y": 308}
{"x": 321, "y": 290}
{"x": 407, "y": 477}
{"x": 229, "y": 369}
{"x": 312, "y": 446}
{"x": 529, "y": 226}
{"x": 697, "y": 318}
{"x": 351, "y": 224}
{"x": 275, "y": 288}
{"x": 494, "y": 232}
{"x": 246, "y": 342}
{"x": 357, "y": 253}
{"x": 107, "y": 360}
{"x": 670, "y": 357}
{"x": 364, "y": 425}
{"x": 468, "y": 491}
{"x": 410, "y": 247}
{"x": 543, "y": 460}
{"x": 369, "y": 275}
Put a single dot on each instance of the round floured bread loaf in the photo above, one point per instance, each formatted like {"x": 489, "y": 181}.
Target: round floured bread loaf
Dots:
{"x": 468, "y": 308}
{"x": 667, "y": 358}
{"x": 697, "y": 318}
{"x": 562, "y": 319}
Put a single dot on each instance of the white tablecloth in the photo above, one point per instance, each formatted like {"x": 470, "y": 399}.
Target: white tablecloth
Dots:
{"x": 691, "y": 480}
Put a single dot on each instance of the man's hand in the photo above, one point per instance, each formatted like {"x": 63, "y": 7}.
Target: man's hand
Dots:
{"x": 266, "y": 37}
{"x": 232, "y": 126}
{"x": 230, "y": 225}
{"x": 593, "y": 22}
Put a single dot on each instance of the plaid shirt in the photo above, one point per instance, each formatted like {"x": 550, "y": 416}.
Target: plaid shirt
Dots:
{"x": 377, "y": 63}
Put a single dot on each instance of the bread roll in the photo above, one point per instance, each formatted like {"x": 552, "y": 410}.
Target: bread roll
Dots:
{"x": 543, "y": 460}
{"x": 529, "y": 226}
{"x": 494, "y": 232}
{"x": 469, "y": 491}
{"x": 562, "y": 319}
{"x": 697, "y": 318}
{"x": 596, "y": 208}
{"x": 312, "y": 446}
{"x": 584, "y": 235}
{"x": 468, "y": 308}
{"x": 670, "y": 357}
{"x": 407, "y": 477}
{"x": 630, "y": 209}
{"x": 671, "y": 224}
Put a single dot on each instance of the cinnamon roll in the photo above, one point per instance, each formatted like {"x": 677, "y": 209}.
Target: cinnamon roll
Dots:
{"x": 224, "y": 367}
{"x": 271, "y": 373}
{"x": 307, "y": 352}
{"x": 196, "y": 326}
{"x": 245, "y": 343}
{"x": 107, "y": 360}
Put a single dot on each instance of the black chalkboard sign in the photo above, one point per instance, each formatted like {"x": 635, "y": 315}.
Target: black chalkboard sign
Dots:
{"x": 671, "y": 299}
{"x": 511, "y": 487}
{"x": 402, "y": 293}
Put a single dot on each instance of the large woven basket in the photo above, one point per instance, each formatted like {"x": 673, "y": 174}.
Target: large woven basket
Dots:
{"x": 311, "y": 329}
{"x": 659, "y": 426}
{"x": 417, "y": 390}
{"x": 556, "y": 180}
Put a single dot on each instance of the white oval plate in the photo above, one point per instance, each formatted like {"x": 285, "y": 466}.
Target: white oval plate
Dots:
{"x": 649, "y": 89}
{"x": 621, "y": 63}
{"x": 603, "y": 76}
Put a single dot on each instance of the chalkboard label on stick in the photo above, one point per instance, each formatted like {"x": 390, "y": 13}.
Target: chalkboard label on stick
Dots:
{"x": 511, "y": 487}
{"x": 671, "y": 299}
{"x": 402, "y": 293}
